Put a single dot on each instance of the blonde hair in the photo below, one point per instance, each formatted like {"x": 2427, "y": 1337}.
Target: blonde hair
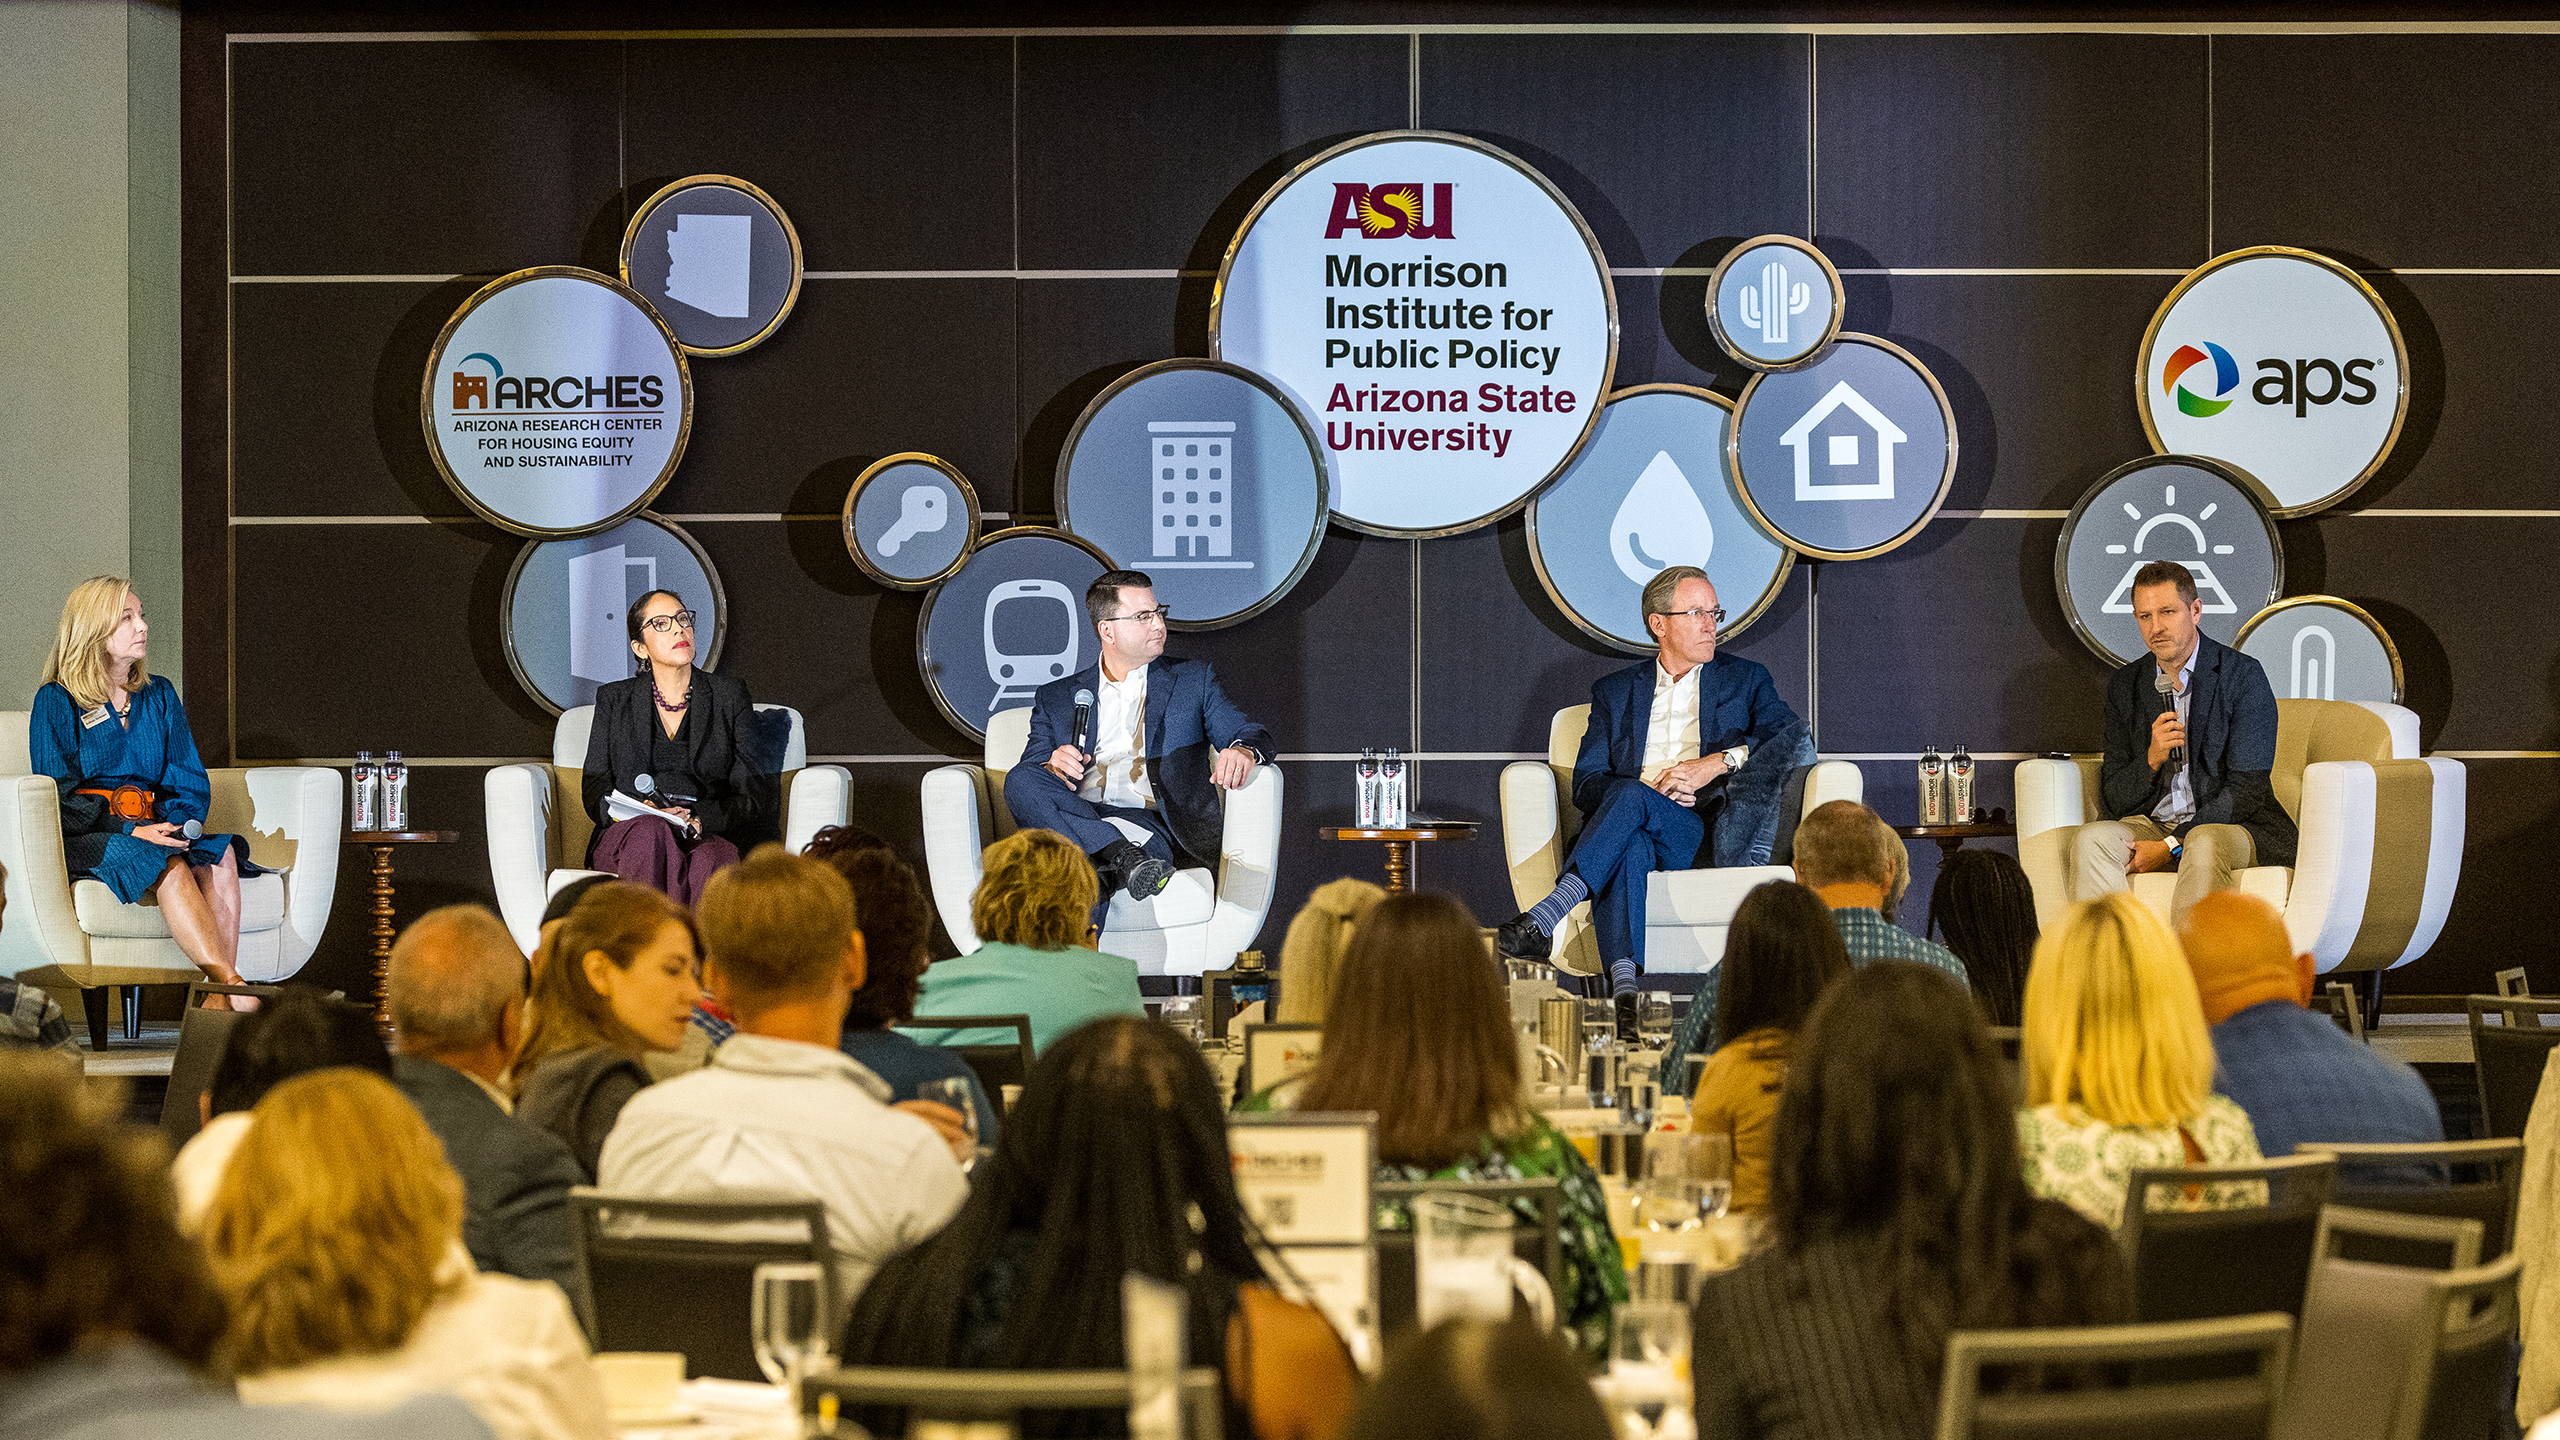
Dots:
{"x": 564, "y": 1011}
{"x": 1312, "y": 953}
{"x": 328, "y": 1228}
{"x": 1039, "y": 892}
{"x": 2112, "y": 1026}
{"x": 79, "y": 659}
{"x": 777, "y": 924}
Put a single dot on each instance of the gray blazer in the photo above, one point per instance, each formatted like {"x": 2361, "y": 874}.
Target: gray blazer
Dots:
{"x": 515, "y": 1178}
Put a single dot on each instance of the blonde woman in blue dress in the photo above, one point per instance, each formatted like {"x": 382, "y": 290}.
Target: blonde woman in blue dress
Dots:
{"x": 115, "y": 740}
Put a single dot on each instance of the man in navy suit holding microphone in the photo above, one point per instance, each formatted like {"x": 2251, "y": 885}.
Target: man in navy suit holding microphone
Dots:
{"x": 1682, "y": 766}
{"x": 1126, "y": 756}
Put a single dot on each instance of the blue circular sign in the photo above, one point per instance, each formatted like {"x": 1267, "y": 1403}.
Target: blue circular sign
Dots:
{"x": 2204, "y": 514}
{"x": 1648, "y": 492}
{"x": 1849, "y": 456}
{"x": 910, "y": 519}
{"x": 1205, "y": 477}
{"x": 566, "y": 600}
{"x": 1776, "y": 303}
{"x": 717, "y": 259}
{"x": 1009, "y": 622}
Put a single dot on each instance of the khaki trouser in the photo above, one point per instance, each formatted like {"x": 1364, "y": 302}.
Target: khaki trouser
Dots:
{"x": 2213, "y": 859}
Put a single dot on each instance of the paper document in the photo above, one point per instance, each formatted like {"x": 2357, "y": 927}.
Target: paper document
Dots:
{"x": 618, "y": 806}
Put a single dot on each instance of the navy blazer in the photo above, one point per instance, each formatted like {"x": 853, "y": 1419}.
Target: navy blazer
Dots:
{"x": 1738, "y": 704}
{"x": 1189, "y": 720}
{"x": 515, "y": 1179}
{"x": 2231, "y": 747}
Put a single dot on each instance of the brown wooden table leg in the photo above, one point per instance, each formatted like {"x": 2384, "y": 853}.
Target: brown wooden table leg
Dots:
{"x": 382, "y": 940}
{"x": 1399, "y": 866}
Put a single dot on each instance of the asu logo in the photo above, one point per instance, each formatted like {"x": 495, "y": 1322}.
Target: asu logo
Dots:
{"x": 1389, "y": 212}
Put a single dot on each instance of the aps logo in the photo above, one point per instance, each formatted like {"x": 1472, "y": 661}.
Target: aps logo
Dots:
{"x": 2279, "y": 382}
{"x": 1389, "y": 212}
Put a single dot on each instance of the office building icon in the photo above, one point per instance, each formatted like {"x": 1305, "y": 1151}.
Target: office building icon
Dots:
{"x": 1193, "y": 481}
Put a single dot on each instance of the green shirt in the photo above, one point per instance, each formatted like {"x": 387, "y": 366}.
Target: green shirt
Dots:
{"x": 1058, "y": 989}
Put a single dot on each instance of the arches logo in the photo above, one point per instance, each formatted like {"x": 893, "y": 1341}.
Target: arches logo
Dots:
{"x": 2226, "y": 378}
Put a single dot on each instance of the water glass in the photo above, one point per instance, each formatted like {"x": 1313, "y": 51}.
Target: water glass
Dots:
{"x": 1599, "y": 1023}
{"x": 788, "y": 1313}
{"x": 1464, "y": 1266}
{"x": 1654, "y": 1022}
{"x": 1701, "y": 1162}
{"x": 1649, "y": 1357}
{"x": 957, "y": 1095}
{"x": 1183, "y": 1013}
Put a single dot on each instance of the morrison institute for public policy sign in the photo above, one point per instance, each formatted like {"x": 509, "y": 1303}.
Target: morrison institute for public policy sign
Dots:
{"x": 1438, "y": 311}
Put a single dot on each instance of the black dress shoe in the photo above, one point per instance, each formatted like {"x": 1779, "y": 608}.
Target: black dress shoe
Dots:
{"x": 1519, "y": 938}
{"x": 1141, "y": 874}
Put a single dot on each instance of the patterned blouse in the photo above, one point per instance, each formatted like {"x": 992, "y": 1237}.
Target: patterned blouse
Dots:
{"x": 2085, "y": 1162}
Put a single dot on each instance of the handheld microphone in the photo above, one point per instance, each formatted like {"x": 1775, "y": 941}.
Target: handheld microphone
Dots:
{"x": 193, "y": 829}
{"x": 2163, "y": 684}
{"x": 642, "y": 783}
{"x": 1084, "y": 717}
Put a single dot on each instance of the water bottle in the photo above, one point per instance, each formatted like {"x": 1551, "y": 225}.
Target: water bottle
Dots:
{"x": 368, "y": 793}
{"x": 395, "y": 793}
{"x": 1933, "y": 787}
{"x": 1395, "y": 811}
{"x": 1365, "y": 778}
{"x": 1960, "y": 786}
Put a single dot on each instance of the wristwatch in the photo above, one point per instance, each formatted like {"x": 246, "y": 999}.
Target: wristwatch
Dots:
{"x": 2175, "y": 848}
{"x": 1734, "y": 757}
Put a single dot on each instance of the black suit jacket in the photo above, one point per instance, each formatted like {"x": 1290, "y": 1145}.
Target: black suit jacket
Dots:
{"x": 2231, "y": 747}
{"x": 730, "y": 751}
{"x": 515, "y": 1178}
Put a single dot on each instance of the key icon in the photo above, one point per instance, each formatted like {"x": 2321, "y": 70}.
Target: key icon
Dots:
{"x": 920, "y": 512}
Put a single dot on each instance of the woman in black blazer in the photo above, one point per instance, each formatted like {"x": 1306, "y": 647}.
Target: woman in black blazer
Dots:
{"x": 687, "y": 742}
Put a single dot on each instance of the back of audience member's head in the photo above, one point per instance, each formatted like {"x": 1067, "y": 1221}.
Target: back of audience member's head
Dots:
{"x": 895, "y": 924}
{"x": 89, "y": 1243}
{"x": 1311, "y": 954}
{"x": 1781, "y": 952}
{"x": 2241, "y": 955}
{"x": 836, "y": 841}
{"x": 2111, "y": 1027}
{"x": 292, "y": 1034}
{"x": 1844, "y": 843}
{"x": 558, "y": 910}
{"x": 778, "y": 928}
{"x": 330, "y": 1225}
{"x": 1897, "y": 1129}
{"x": 1116, "y": 1158}
{"x": 613, "y": 924}
{"x": 1989, "y": 910}
{"x": 1476, "y": 1380}
{"x": 454, "y": 975}
{"x": 1037, "y": 891}
{"x": 1419, "y": 1031}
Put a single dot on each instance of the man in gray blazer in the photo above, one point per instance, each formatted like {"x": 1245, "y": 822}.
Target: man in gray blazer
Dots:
{"x": 457, "y": 1001}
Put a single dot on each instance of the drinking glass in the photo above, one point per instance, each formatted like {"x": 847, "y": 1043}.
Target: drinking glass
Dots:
{"x": 1649, "y": 1357}
{"x": 1464, "y": 1265}
{"x": 788, "y": 1314}
{"x": 1182, "y": 1012}
{"x": 1712, "y": 1163}
{"x": 956, "y": 1094}
{"x": 1654, "y": 1022}
{"x": 1700, "y": 1164}
{"x": 1599, "y": 1023}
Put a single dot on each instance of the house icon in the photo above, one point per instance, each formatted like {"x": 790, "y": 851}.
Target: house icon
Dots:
{"x": 1844, "y": 445}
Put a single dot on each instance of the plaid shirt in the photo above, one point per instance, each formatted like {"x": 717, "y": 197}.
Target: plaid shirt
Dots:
{"x": 30, "y": 1020}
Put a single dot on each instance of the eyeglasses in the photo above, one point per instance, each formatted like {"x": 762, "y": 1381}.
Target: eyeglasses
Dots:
{"x": 661, "y": 624}
{"x": 1712, "y": 617}
{"x": 1157, "y": 616}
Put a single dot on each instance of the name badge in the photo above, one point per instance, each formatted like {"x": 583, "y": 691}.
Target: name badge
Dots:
{"x": 94, "y": 718}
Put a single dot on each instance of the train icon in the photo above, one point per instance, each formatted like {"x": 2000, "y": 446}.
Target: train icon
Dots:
{"x": 1027, "y": 645}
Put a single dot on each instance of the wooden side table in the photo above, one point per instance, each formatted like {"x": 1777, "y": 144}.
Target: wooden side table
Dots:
{"x": 382, "y": 843}
{"x": 1399, "y": 845}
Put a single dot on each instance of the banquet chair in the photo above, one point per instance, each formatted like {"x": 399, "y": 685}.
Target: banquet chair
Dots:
{"x": 1686, "y": 912}
{"x": 2386, "y": 1237}
{"x": 2238, "y": 1406}
{"x": 2480, "y": 1180}
{"x": 2238, "y": 1260}
{"x": 539, "y": 830}
{"x": 1199, "y": 922}
{"x": 1002, "y": 1395}
{"x": 202, "y": 1036}
{"x": 2392, "y": 1353}
{"x": 661, "y": 1274}
{"x": 64, "y": 935}
{"x": 2508, "y": 1058}
{"x": 998, "y": 1065}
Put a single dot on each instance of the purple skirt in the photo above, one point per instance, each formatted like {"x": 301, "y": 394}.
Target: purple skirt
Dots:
{"x": 646, "y": 850}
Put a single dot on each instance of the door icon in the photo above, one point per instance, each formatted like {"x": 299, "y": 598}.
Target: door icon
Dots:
{"x": 599, "y": 593}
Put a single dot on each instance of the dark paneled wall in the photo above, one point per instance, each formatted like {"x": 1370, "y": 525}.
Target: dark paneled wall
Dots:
{"x": 2040, "y": 190}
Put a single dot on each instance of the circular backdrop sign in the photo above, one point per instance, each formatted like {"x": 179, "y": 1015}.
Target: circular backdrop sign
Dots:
{"x": 1776, "y": 303}
{"x": 1647, "y": 493}
{"x": 1202, "y": 475}
{"x": 1010, "y": 622}
{"x": 1849, "y": 456}
{"x": 718, "y": 259}
{"x": 2282, "y": 362}
{"x": 1438, "y": 310}
{"x": 556, "y": 402}
{"x": 566, "y": 603}
{"x": 2201, "y": 513}
{"x": 910, "y": 520}
{"x": 2319, "y": 647}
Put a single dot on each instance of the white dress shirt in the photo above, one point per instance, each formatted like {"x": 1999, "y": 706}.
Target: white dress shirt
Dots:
{"x": 1671, "y": 735}
{"x": 774, "y": 1116}
{"x": 2179, "y": 805}
{"x": 1118, "y": 774}
{"x": 198, "y": 1169}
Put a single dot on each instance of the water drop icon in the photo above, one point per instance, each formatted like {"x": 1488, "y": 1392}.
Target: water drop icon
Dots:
{"x": 1660, "y": 523}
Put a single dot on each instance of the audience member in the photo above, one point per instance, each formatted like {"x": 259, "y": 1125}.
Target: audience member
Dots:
{"x": 780, "y": 1108}
{"x": 1983, "y": 901}
{"x": 889, "y": 908}
{"x": 558, "y": 911}
{"x": 1311, "y": 953}
{"x": 1847, "y": 854}
{"x": 337, "y": 1237}
{"x": 1475, "y": 1380}
{"x": 1896, "y": 1216}
{"x": 617, "y": 981}
{"x": 1780, "y": 955}
{"x": 2537, "y": 1240}
{"x": 457, "y": 1001}
{"x": 30, "y": 1019}
{"x": 1034, "y": 957}
{"x": 110, "y": 1323}
{"x": 2118, "y": 1065}
{"x": 297, "y": 1032}
{"x": 1419, "y": 1032}
{"x": 2297, "y": 1074}
{"x": 1116, "y": 1163}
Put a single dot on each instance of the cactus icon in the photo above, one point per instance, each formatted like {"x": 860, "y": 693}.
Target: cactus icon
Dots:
{"x": 1766, "y": 306}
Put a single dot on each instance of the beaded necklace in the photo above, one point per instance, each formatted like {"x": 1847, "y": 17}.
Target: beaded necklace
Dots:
{"x": 660, "y": 696}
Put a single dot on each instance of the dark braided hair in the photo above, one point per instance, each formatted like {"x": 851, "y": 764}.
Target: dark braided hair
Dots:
{"x": 1983, "y": 901}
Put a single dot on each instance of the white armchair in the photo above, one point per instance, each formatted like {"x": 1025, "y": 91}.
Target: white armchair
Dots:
{"x": 1686, "y": 912}
{"x": 538, "y": 825}
{"x": 62, "y": 934}
{"x": 2381, "y": 847}
{"x": 1199, "y": 922}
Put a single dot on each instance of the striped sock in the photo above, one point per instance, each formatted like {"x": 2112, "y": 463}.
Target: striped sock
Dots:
{"x": 1623, "y": 975}
{"x": 1549, "y": 913}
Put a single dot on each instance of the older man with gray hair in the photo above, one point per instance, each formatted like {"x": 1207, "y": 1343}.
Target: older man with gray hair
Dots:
{"x": 457, "y": 1003}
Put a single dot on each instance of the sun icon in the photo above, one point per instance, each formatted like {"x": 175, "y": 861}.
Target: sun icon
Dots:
{"x": 2217, "y": 600}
